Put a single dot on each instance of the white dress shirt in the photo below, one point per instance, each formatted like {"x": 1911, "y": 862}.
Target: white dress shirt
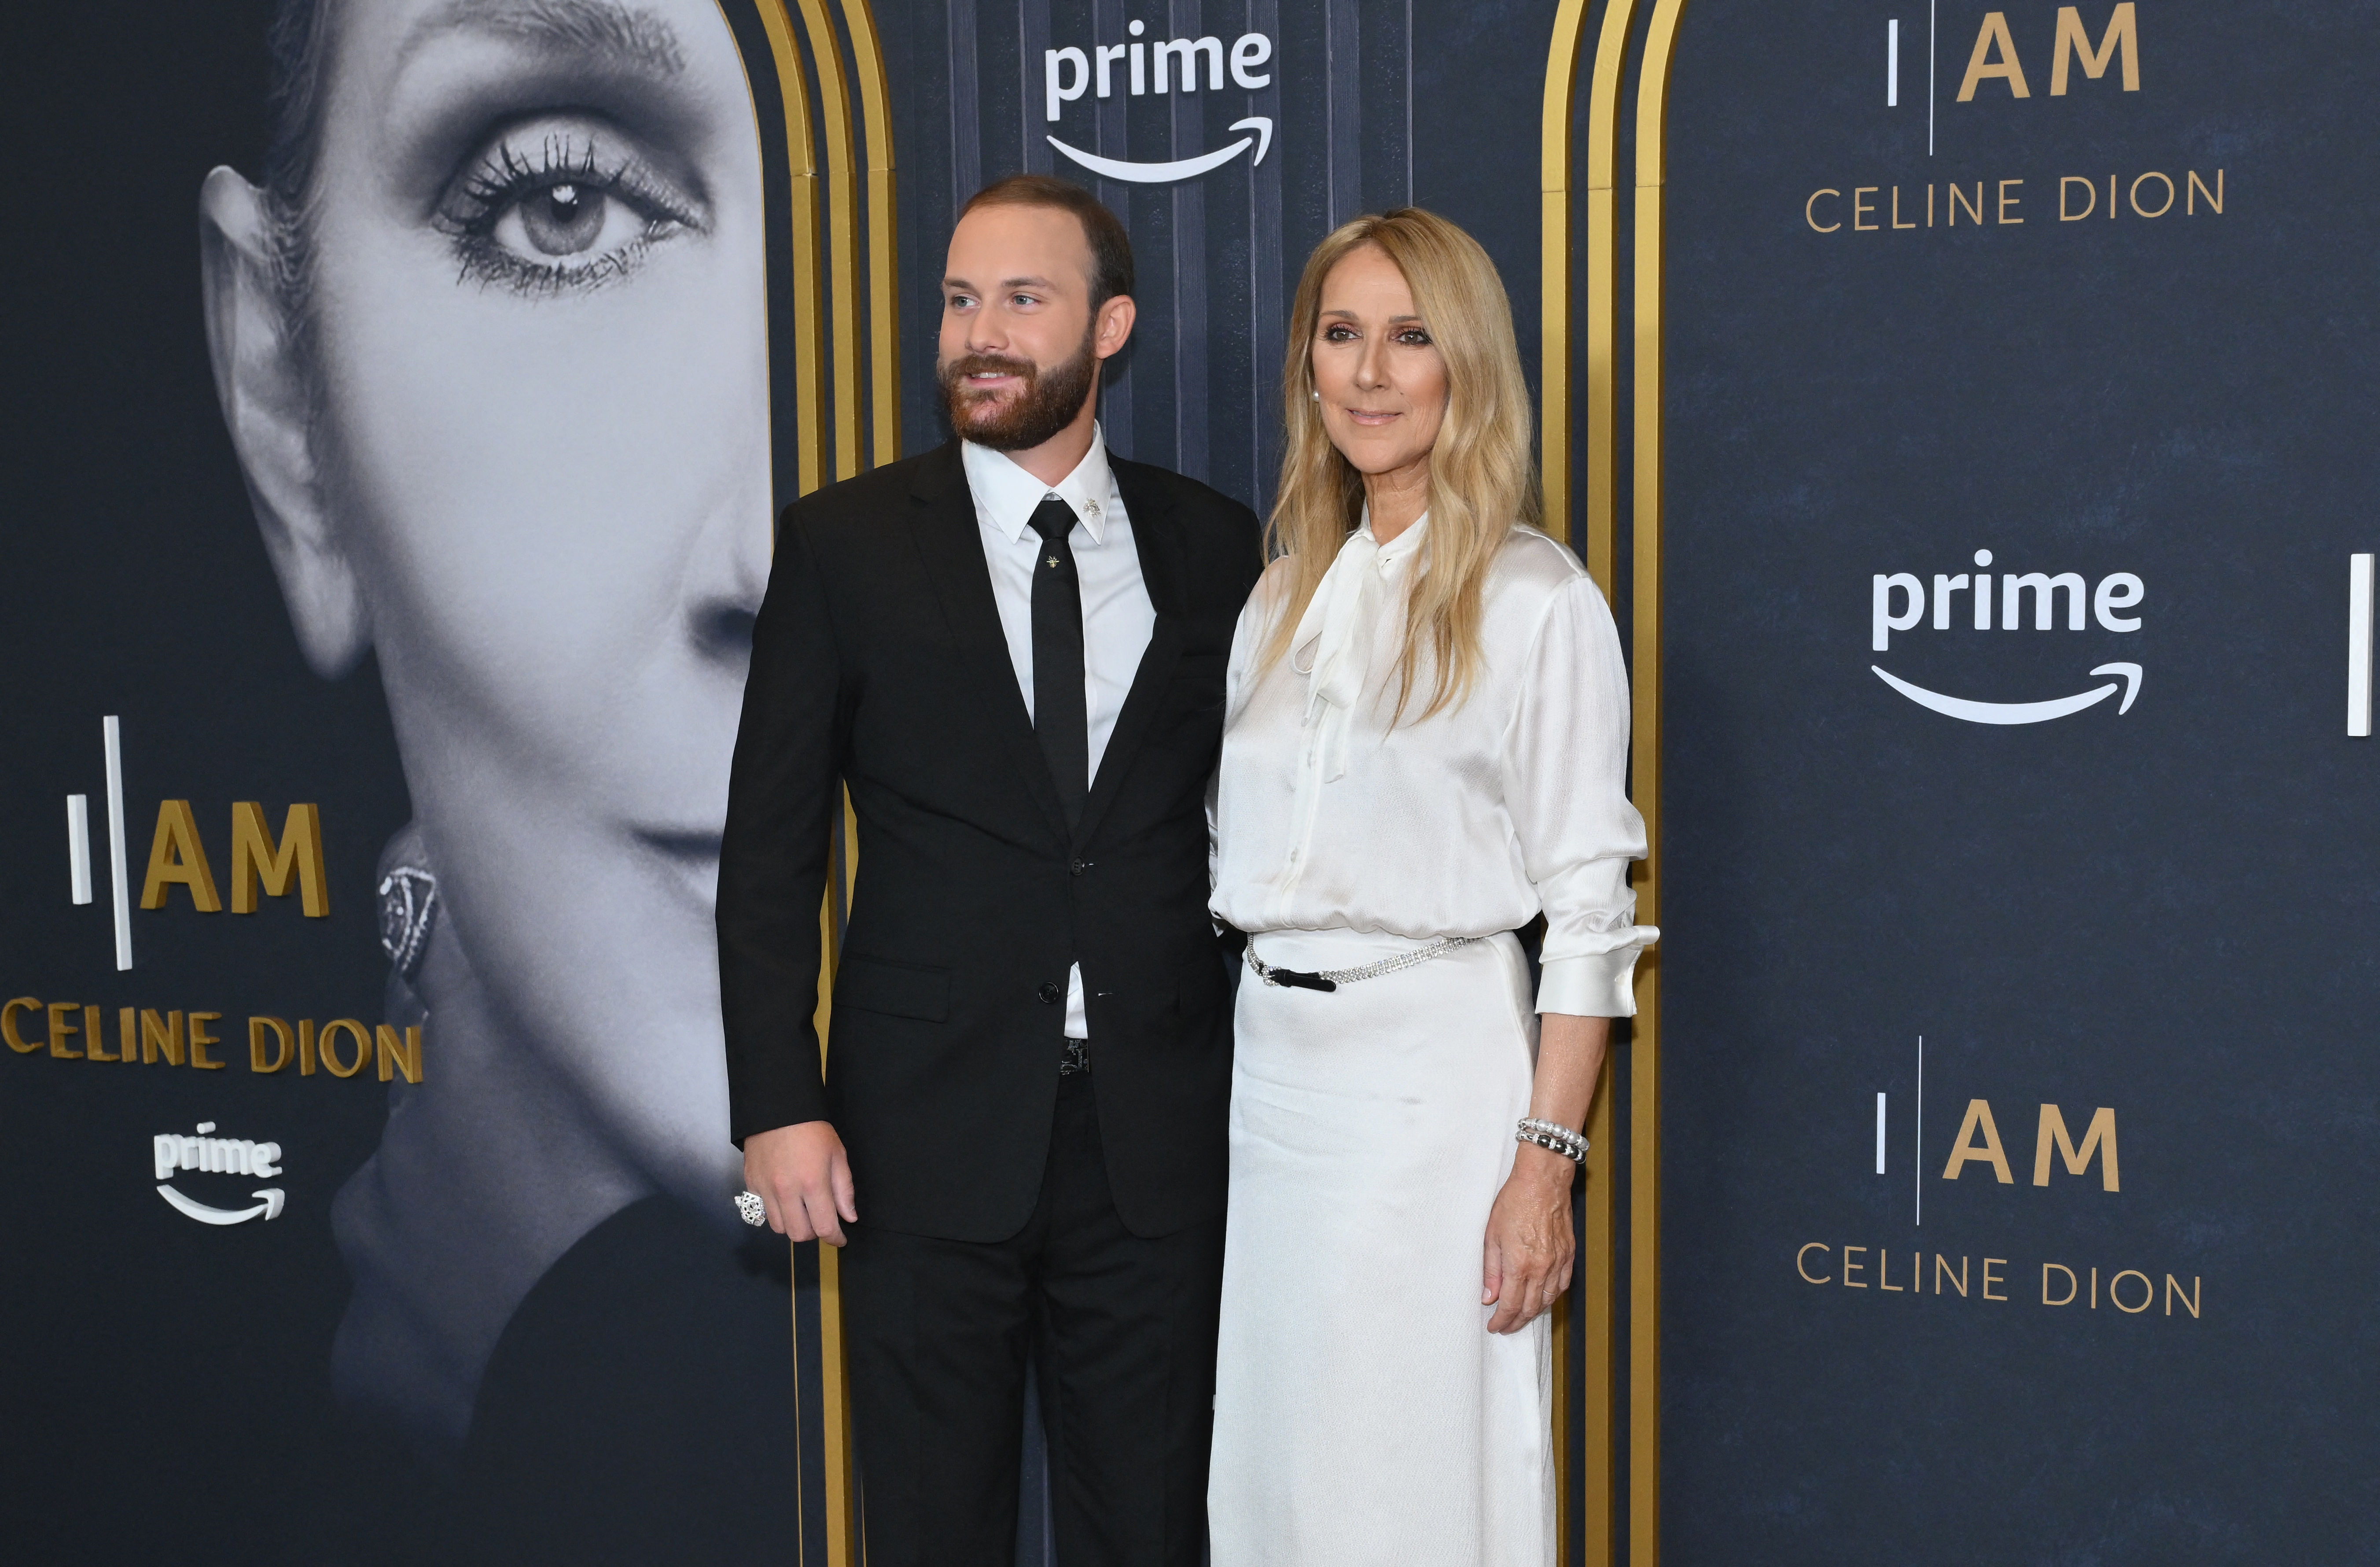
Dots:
{"x": 1117, "y": 615}
{"x": 1330, "y": 817}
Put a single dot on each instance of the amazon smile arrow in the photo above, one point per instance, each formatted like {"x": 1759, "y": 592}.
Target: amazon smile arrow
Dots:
{"x": 2022, "y": 712}
{"x": 270, "y": 1208}
{"x": 1185, "y": 168}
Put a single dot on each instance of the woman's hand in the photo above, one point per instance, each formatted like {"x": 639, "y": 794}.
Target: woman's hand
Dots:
{"x": 1530, "y": 1248}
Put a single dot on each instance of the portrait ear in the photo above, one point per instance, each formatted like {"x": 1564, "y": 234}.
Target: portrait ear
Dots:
{"x": 1116, "y": 326}
{"x": 267, "y": 404}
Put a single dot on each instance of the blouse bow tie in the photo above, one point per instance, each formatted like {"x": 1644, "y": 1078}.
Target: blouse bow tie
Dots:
{"x": 1333, "y": 643}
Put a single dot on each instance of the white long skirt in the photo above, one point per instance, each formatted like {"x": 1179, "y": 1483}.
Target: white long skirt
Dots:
{"x": 1363, "y": 1413}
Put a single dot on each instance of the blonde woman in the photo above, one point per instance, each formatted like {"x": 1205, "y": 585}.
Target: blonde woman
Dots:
{"x": 1427, "y": 723}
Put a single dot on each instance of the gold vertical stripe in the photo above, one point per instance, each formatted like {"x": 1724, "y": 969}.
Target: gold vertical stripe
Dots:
{"x": 1553, "y": 183}
{"x": 883, "y": 233}
{"x": 1602, "y": 485}
{"x": 1594, "y": 1489}
{"x": 802, "y": 201}
{"x": 1645, "y": 786}
{"x": 841, "y": 230}
{"x": 1553, "y": 358}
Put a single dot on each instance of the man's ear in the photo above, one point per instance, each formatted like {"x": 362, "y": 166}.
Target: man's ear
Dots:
{"x": 268, "y": 407}
{"x": 1115, "y": 325}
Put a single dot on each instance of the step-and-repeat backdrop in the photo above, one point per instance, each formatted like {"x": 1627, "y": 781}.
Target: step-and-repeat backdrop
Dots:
{"x": 2019, "y": 895}
{"x": 397, "y": 396}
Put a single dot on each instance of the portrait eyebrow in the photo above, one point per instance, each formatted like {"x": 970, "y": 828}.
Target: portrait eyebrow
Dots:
{"x": 619, "y": 35}
{"x": 1005, "y": 283}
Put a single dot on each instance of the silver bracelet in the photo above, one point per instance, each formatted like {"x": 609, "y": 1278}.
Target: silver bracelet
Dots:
{"x": 1554, "y": 1138}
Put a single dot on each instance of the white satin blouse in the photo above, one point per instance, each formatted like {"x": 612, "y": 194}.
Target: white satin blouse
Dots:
{"x": 1324, "y": 817}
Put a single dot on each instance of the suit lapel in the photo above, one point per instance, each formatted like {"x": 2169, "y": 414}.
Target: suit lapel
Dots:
{"x": 950, "y": 541}
{"x": 1157, "y": 539}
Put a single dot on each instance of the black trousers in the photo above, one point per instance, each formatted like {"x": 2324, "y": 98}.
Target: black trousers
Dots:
{"x": 1123, "y": 1327}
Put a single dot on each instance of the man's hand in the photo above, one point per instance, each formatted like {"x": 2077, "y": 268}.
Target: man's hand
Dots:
{"x": 1530, "y": 1249}
{"x": 804, "y": 1179}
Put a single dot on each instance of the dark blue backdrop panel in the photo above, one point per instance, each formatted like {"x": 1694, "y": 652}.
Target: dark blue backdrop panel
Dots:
{"x": 2166, "y": 911}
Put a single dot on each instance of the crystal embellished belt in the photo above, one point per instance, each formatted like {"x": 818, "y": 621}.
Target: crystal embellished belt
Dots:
{"x": 1331, "y": 979}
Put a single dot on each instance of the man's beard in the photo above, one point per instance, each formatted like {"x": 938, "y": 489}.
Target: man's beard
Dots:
{"x": 1050, "y": 399}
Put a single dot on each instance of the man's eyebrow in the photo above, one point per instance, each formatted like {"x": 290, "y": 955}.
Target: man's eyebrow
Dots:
{"x": 622, "y": 36}
{"x": 1005, "y": 283}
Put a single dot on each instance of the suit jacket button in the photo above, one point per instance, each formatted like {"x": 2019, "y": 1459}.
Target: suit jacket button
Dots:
{"x": 1077, "y": 867}
{"x": 1049, "y": 994}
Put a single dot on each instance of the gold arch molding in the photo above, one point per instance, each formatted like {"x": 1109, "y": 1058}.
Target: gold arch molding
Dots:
{"x": 1594, "y": 1491}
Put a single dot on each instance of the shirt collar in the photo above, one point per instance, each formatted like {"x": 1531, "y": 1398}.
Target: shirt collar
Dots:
{"x": 1006, "y": 495}
{"x": 1397, "y": 548}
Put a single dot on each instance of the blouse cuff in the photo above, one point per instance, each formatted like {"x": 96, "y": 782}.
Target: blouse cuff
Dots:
{"x": 1593, "y": 985}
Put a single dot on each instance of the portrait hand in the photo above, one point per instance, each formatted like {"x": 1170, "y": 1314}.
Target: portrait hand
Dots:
{"x": 803, "y": 1180}
{"x": 1529, "y": 1249}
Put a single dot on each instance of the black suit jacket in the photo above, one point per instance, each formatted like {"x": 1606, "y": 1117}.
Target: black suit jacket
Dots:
{"x": 878, "y": 663}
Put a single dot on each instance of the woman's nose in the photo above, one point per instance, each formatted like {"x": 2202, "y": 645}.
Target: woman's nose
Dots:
{"x": 728, "y": 577}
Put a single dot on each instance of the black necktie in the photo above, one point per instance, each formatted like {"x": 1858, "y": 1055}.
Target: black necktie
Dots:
{"x": 1058, "y": 716}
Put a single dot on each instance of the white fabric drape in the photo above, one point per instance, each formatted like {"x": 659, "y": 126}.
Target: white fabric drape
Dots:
{"x": 1473, "y": 821}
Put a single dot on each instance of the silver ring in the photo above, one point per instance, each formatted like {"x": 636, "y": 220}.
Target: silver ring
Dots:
{"x": 749, "y": 1205}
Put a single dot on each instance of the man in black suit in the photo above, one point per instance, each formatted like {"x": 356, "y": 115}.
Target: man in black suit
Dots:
{"x": 1011, "y": 651}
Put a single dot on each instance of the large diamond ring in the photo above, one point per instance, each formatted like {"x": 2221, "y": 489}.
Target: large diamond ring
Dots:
{"x": 749, "y": 1205}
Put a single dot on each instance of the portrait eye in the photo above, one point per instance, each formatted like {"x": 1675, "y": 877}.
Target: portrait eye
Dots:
{"x": 1340, "y": 332}
{"x": 559, "y": 210}
{"x": 1414, "y": 337}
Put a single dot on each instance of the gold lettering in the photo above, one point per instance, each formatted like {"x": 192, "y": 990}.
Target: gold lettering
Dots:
{"x": 330, "y": 1055}
{"x": 161, "y": 1035}
{"x": 1979, "y": 1124}
{"x": 60, "y": 1028}
{"x": 406, "y": 1057}
{"x": 175, "y": 856}
{"x": 2090, "y": 198}
{"x": 2007, "y": 201}
{"x": 2118, "y": 1301}
{"x": 2169, "y": 194}
{"x": 255, "y": 858}
{"x": 1862, "y": 209}
{"x": 9, "y": 1024}
{"x": 1802, "y": 1263}
{"x": 2094, "y": 1288}
{"x": 201, "y": 1039}
{"x": 1896, "y": 210}
{"x": 2099, "y": 1137}
{"x": 1989, "y": 1280}
{"x": 2189, "y": 1301}
{"x": 1810, "y": 213}
{"x": 1850, "y": 1267}
{"x": 305, "y": 1047}
{"x": 94, "y": 1035}
{"x": 1975, "y": 207}
{"x": 128, "y": 1036}
{"x": 2074, "y": 43}
{"x": 1884, "y": 1271}
{"x": 1930, "y": 206}
{"x": 1942, "y": 1271}
{"x": 2198, "y": 189}
{"x": 1980, "y": 70}
{"x": 2072, "y": 1284}
{"x": 286, "y": 1044}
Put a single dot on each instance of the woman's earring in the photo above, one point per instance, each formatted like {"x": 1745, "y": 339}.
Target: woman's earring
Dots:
{"x": 1316, "y": 396}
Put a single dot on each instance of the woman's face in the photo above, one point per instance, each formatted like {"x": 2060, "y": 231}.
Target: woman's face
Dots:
{"x": 538, "y": 340}
{"x": 1381, "y": 384}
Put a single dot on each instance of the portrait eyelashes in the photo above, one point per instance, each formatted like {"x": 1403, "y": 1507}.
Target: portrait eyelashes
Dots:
{"x": 557, "y": 218}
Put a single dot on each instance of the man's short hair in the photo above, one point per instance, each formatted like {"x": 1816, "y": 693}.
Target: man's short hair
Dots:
{"x": 1111, "y": 246}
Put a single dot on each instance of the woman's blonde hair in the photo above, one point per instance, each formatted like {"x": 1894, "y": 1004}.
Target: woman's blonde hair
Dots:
{"x": 1483, "y": 473}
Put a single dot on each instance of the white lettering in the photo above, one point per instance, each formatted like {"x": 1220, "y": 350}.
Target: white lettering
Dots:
{"x": 1252, "y": 50}
{"x": 1886, "y": 622}
{"x": 2105, "y": 602}
{"x": 1057, "y": 93}
{"x": 2043, "y": 589}
{"x": 1108, "y": 54}
{"x": 1187, "y": 51}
